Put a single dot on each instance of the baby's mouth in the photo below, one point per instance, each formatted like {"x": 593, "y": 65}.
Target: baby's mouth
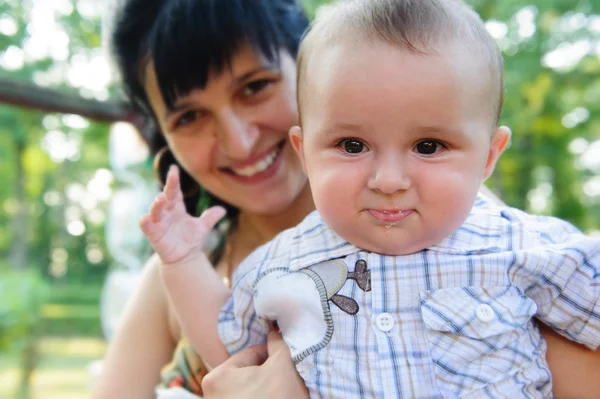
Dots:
{"x": 390, "y": 215}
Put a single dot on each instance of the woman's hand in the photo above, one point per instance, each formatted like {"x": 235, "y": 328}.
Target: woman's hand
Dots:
{"x": 263, "y": 371}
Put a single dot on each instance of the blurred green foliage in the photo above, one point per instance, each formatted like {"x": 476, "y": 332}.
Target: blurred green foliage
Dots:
{"x": 22, "y": 294}
{"x": 71, "y": 309}
{"x": 36, "y": 184}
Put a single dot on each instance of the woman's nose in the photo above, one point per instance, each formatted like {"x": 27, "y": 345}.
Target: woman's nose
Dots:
{"x": 237, "y": 136}
{"x": 389, "y": 176}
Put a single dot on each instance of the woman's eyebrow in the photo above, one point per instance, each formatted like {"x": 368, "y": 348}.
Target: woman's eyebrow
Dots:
{"x": 177, "y": 107}
{"x": 246, "y": 76}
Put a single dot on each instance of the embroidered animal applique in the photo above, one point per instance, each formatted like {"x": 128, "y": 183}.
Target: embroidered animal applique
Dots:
{"x": 335, "y": 274}
{"x": 299, "y": 301}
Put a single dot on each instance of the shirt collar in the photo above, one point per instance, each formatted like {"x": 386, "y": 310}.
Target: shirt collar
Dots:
{"x": 483, "y": 231}
{"x": 313, "y": 241}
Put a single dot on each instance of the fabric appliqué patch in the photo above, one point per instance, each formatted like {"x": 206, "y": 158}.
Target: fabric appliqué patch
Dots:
{"x": 299, "y": 301}
{"x": 335, "y": 274}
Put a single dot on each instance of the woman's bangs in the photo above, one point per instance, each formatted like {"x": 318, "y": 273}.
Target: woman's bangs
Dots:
{"x": 212, "y": 31}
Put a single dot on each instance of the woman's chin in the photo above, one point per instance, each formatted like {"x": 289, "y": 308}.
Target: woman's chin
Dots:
{"x": 274, "y": 204}
{"x": 268, "y": 208}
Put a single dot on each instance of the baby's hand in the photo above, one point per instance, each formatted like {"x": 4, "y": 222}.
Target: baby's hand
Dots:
{"x": 173, "y": 233}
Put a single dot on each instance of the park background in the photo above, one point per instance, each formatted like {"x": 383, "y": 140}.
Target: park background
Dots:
{"x": 76, "y": 176}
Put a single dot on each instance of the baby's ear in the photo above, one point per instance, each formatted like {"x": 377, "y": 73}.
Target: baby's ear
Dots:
{"x": 500, "y": 141}
{"x": 297, "y": 140}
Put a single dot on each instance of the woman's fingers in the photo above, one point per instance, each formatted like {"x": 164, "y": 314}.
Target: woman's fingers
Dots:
{"x": 275, "y": 343}
{"x": 250, "y": 374}
{"x": 280, "y": 363}
{"x": 253, "y": 356}
{"x": 238, "y": 376}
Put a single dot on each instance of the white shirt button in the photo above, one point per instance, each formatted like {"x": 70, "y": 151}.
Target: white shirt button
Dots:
{"x": 485, "y": 312}
{"x": 385, "y": 322}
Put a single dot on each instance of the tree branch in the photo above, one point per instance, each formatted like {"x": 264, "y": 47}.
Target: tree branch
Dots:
{"x": 29, "y": 95}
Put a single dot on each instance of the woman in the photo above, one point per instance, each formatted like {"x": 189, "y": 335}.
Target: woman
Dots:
{"x": 217, "y": 80}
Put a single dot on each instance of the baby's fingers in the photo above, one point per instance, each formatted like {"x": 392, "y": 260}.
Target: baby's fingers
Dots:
{"x": 211, "y": 216}
{"x": 157, "y": 207}
{"x": 146, "y": 224}
{"x": 148, "y": 227}
{"x": 172, "y": 189}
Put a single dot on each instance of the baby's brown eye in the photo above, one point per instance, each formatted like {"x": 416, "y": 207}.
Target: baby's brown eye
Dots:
{"x": 428, "y": 147}
{"x": 353, "y": 146}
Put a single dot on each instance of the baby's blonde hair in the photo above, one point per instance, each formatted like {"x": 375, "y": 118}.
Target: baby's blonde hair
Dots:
{"x": 418, "y": 26}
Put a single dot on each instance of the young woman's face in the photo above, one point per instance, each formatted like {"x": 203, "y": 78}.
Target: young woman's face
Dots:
{"x": 232, "y": 136}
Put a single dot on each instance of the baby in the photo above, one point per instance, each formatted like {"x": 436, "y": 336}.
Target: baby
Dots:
{"x": 405, "y": 283}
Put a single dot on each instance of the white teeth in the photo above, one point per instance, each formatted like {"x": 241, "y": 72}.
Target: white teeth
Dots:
{"x": 259, "y": 166}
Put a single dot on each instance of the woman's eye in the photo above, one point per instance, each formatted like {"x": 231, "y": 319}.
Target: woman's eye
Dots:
{"x": 429, "y": 147}
{"x": 254, "y": 87}
{"x": 186, "y": 118}
{"x": 352, "y": 146}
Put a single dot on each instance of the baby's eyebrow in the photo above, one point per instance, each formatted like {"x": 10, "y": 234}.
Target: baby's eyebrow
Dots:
{"x": 438, "y": 131}
{"x": 345, "y": 128}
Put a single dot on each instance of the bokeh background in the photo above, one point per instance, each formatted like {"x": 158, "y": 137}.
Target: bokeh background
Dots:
{"x": 76, "y": 176}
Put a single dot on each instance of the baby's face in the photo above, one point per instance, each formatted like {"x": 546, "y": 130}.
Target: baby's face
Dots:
{"x": 395, "y": 144}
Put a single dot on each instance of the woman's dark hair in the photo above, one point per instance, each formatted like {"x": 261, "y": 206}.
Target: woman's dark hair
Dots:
{"x": 187, "y": 39}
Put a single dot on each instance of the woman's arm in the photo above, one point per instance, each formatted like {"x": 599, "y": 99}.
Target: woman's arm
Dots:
{"x": 575, "y": 369}
{"x": 142, "y": 344}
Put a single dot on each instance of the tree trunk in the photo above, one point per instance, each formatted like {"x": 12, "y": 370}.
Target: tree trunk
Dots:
{"x": 18, "y": 254}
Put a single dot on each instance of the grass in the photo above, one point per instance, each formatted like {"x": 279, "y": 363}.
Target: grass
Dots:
{"x": 71, "y": 341}
{"x": 62, "y": 372}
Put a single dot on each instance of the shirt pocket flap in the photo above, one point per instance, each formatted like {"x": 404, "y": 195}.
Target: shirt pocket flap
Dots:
{"x": 476, "y": 312}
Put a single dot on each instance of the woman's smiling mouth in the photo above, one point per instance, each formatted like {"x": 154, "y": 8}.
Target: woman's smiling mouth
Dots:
{"x": 258, "y": 168}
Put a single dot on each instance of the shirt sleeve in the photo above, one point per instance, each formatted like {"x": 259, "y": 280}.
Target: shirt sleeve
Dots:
{"x": 562, "y": 268}
{"x": 239, "y": 325}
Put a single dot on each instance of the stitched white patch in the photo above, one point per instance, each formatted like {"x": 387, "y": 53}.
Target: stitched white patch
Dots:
{"x": 333, "y": 273}
{"x": 294, "y": 301}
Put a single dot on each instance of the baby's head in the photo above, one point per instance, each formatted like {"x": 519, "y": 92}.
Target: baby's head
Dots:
{"x": 418, "y": 27}
{"x": 399, "y": 103}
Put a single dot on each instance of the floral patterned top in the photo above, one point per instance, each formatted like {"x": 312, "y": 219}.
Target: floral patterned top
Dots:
{"x": 185, "y": 371}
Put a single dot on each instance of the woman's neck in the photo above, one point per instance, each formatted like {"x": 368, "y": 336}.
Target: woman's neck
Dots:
{"x": 254, "y": 230}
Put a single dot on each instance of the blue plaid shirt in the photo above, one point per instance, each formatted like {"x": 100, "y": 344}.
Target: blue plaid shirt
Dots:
{"x": 453, "y": 320}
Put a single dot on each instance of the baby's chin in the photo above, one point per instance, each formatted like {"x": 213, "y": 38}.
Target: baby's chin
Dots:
{"x": 389, "y": 251}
